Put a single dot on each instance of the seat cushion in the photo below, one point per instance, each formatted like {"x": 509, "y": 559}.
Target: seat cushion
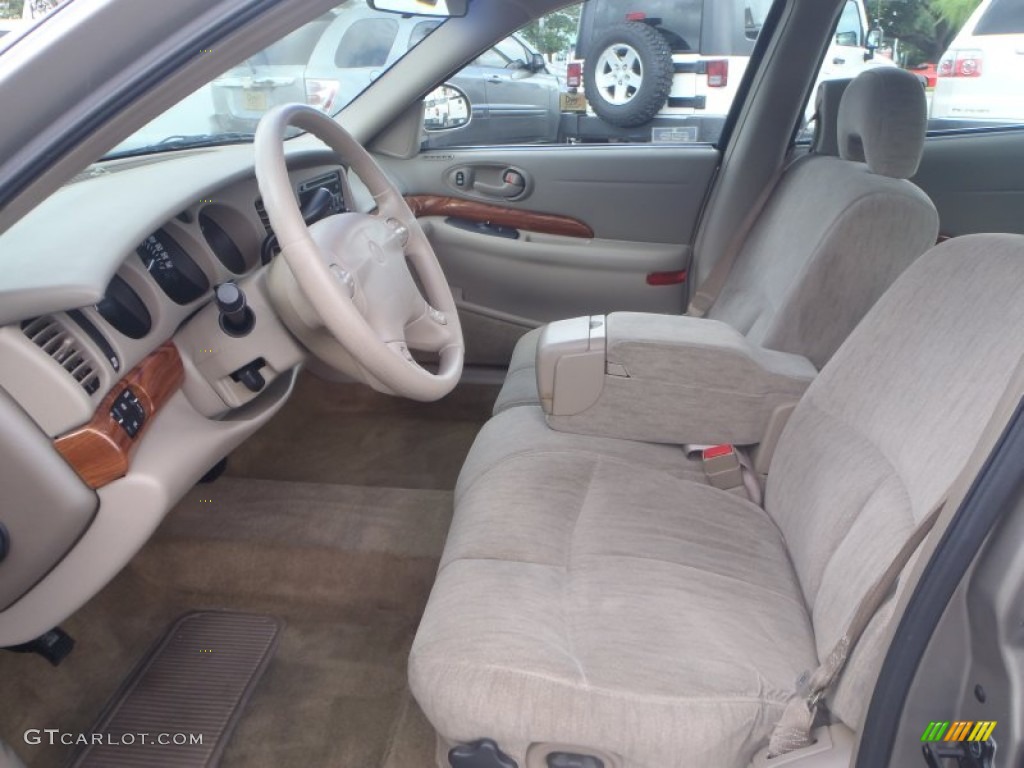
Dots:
{"x": 610, "y": 606}
{"x": 520, "y": 387}
{"x": 519, "y": 431}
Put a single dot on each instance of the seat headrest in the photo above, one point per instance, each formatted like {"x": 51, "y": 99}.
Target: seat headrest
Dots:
{"x": 883, "y": 117}
{"x": 826, "y": 116}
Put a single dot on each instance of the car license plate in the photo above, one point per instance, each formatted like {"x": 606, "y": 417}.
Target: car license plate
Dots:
{"x": 255, "y": 101}
{"x": 573, "y": 102}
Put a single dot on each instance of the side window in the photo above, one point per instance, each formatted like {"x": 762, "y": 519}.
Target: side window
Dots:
{"x": 513, "y": 50}
{"x": 604, "y": 71}
{"x": 849, "y": 31}
{"x": 366, "y": 43}
{"x": 420, "y": 31}
{"x": 967, "y": 55}
{"x": 491, "y": 58}
{"x": 1003, "y": 17}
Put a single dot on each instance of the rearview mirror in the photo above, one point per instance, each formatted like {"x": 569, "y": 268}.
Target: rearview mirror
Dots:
{"x": 437, "y": 8}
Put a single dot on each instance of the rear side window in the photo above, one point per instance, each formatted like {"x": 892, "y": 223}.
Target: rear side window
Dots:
{"x": 1003, "y": 17}
{"x": 680, "y": 21}
{"x": 849, "y": 31}
{"x": 366, "y": 43}
{"x": 420, "y": 31}
{"x": 296, "y": 47}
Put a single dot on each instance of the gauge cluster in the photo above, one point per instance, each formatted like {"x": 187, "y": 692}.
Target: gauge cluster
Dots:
{"x": 172, "y": 273}
{"x": 172, "y": 268}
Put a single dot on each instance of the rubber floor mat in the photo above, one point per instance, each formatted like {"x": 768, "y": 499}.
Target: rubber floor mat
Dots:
{"x": 183, "y": 700}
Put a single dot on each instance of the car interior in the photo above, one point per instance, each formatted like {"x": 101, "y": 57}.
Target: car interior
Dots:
{"x": 334, "y": 445}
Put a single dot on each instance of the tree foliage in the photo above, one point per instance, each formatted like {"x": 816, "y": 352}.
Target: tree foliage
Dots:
{"x": 553, "y": 33}
{"x": 11, "y": 9}
{"x": 925, "y": 28}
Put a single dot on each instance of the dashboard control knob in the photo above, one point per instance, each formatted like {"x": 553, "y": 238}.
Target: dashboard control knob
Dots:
{"x": 236, "y": 319}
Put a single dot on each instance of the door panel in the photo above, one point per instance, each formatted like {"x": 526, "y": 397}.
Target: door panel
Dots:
{"x": 976, "y": 180}
{"x": 589, "y": 227}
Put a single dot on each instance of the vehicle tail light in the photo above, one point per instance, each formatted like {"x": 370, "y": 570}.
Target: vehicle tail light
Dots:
{"x": 967, "y": 64}
{"x": 718, "y": 73}
{"x": 636, "y": 16}
{"x": 574, "y": 75}
{"x": 960, "y": 64}
{"x": 321, "y": 93}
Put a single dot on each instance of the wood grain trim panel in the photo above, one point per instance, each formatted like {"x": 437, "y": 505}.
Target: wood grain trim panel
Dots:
{"x": 546, "y": 223}
{"x": 99, "y": 451}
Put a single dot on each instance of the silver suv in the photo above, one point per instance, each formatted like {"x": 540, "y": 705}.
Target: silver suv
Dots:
{"x": 327, "y": 63}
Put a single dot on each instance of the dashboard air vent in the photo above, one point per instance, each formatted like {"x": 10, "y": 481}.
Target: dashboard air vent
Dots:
{"x": 52, "y": 337}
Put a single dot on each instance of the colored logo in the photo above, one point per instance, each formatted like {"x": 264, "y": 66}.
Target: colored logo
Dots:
{"x": 958, "y": 731}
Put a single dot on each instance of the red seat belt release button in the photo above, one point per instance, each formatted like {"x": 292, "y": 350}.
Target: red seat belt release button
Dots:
{"x": 722, "y": 467}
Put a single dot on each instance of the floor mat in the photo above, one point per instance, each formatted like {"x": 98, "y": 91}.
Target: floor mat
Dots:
{"x": 182, "y": 702}
{"x": 348, "y": 569}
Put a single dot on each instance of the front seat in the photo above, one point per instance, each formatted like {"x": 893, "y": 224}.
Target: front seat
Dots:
{"x": 602, "y": 608}
{"x": 832, "y": 237}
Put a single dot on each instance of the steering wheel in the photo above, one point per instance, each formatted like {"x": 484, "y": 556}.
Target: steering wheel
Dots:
{"x": 353, "y": 269}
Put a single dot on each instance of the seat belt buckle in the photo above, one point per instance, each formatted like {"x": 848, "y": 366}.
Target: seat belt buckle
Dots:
{"x": 722, "y": 467}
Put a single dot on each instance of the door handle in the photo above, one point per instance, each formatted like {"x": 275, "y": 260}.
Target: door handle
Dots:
{"x": 494, "y": 79}
{"x": 839, "y": 61}
{"x": 512, "y": 185}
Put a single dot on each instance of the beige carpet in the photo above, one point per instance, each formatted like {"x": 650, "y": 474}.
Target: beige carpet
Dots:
{"x": 329, "y": 433}
{"x": 342, "y": 547}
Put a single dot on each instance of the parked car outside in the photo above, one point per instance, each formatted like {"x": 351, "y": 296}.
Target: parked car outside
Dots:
{"x": 663, "y": 70}
{"x": 512, "y": 96}
{"x": 928, "y": 71}
{"x": 981, "y": 76}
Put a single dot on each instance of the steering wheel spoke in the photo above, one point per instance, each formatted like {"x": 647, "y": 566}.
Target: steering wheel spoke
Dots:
{"x": 353, "y": 270}
{"x": 430, "y": 331}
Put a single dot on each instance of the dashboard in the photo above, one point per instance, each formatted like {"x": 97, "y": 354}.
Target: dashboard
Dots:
{"x": 119, "y": 387}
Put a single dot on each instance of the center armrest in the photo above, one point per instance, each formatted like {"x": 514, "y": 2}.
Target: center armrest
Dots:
{"x": 665, "y": 379}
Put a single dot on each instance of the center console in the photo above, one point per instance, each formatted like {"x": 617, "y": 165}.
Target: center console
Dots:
{"x": 665, "y": 379}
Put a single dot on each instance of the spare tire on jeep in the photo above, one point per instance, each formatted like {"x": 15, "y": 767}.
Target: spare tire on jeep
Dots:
{"x": 627, "y": 74}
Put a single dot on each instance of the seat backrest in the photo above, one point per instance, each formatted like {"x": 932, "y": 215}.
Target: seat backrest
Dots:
{"x": 837, "y": 230}
{"x": 826, "y": 116}
{"x": 885, "y": 428}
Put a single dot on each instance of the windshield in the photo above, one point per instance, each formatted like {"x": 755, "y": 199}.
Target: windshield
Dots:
{"x": 326, "y": 63}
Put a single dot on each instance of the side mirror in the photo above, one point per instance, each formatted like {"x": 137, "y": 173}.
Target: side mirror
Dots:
{"x": 446, "y": 108}
{"x": 874, "y": 40}
{"x": 847, "y": 39}
{"x": 537, "y": 63}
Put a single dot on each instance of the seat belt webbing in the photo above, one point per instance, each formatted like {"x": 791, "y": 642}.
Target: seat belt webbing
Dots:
{"x": 709, "y": 290}
{"x": 793, "y": 730}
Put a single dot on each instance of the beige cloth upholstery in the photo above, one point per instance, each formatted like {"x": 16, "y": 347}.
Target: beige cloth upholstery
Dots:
{"x": 593, "y": 602}
{"x": 826, "y": 116}
{"x": 882, "y": 121}
{"x": 831, "y": 239}
{"x": 590, "y": 602}
{"x": 521, "y": 431}
{"x": 690, "y": 380}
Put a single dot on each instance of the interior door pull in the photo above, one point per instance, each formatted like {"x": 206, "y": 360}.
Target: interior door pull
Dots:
{"x": 512, "y": 185}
